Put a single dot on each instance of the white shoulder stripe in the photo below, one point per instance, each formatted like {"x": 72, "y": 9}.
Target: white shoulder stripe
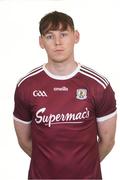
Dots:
{"x": 29, "y": 75}
{"x": 96, "y": 79}
{"x": 89, "y": 70}
{"x": 38, "y": 68}
{"x": 96, "y": 75}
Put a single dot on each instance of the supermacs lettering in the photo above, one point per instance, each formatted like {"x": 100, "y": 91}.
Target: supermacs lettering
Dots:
{"x": 60, "y": 118}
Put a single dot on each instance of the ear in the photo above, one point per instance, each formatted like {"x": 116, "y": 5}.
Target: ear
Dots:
{"x": 41, "y": 42}
{"x": 77, "y": 36}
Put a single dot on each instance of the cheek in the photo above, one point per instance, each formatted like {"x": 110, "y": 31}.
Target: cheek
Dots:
{"x": 70, "y": 45}
{"x": 70, "y": 42}
{"x": 48, "y": 50}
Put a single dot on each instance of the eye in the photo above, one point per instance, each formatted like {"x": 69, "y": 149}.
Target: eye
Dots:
{"x": 63, "y": 34}
{"x": 49, "y": 36}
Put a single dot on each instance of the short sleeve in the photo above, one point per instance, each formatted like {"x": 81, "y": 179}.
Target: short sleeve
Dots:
{"x": 21, "y": 107}
{"x": 106, "y": 104}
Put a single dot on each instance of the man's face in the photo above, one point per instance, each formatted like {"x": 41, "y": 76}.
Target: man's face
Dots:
{"x": 59, "y": 44}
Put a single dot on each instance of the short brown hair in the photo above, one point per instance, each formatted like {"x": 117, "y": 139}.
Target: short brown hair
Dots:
{"x": 54, "y": 21}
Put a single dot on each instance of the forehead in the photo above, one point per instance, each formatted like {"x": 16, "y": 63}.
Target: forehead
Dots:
{"x": 58, "y": 30}
{"x": 59, "y": 27}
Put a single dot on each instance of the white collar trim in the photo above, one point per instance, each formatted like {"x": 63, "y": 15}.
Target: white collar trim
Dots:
{"x": 61, "y": 77}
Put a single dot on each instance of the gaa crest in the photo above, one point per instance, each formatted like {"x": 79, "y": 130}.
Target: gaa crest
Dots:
{"x": 81, "y": 94}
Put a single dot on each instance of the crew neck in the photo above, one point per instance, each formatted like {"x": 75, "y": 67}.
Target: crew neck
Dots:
{"x": 60, "y": 77}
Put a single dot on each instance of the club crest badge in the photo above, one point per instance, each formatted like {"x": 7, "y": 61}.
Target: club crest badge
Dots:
{"x": 81, "y": 94}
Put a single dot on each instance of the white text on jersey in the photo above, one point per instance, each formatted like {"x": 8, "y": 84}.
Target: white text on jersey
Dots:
{"x": 39, "y": 93}
{"x": 60, "y": 88}
{"x": 61, "y": 118}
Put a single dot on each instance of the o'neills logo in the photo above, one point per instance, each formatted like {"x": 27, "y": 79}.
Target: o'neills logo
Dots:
{"x": 60, "y": 118}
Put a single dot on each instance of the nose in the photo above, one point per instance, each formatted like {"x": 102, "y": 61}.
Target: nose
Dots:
{"x": 57, "y": 40}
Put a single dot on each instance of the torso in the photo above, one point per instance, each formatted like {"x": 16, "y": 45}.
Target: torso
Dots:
{"x": 64, "y": 128}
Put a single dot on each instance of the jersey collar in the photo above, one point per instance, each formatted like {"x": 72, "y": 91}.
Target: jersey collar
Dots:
{"x": 61, "y": 77}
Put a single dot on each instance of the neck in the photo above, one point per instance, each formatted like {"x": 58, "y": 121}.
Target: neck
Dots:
{"x": 61, "y": 68}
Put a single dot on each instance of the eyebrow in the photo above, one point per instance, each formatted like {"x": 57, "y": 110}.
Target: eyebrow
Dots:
{"x": 51, "y": 31}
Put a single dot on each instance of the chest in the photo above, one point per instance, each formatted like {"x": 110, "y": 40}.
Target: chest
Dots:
{"x": 61, "y": 100}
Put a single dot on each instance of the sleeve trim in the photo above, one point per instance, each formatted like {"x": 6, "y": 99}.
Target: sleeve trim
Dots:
{"x": 21, "y": 121}
{"x": 104, "y": 118}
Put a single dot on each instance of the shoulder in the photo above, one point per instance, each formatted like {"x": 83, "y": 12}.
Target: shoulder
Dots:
{"x": 94, "y": 77}
{"x": 25, "y": 80}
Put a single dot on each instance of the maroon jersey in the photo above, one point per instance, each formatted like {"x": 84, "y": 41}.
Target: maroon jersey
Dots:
{"x": 64, "y": 112}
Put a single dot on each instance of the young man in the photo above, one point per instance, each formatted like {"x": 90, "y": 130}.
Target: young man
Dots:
{"x": 65, "y": 113}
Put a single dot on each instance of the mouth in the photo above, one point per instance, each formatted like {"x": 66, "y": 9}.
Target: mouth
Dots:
{"x": 59, "y": 50}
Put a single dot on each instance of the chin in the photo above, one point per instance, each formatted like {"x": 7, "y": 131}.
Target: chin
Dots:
{"x": 59, "y": 60}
